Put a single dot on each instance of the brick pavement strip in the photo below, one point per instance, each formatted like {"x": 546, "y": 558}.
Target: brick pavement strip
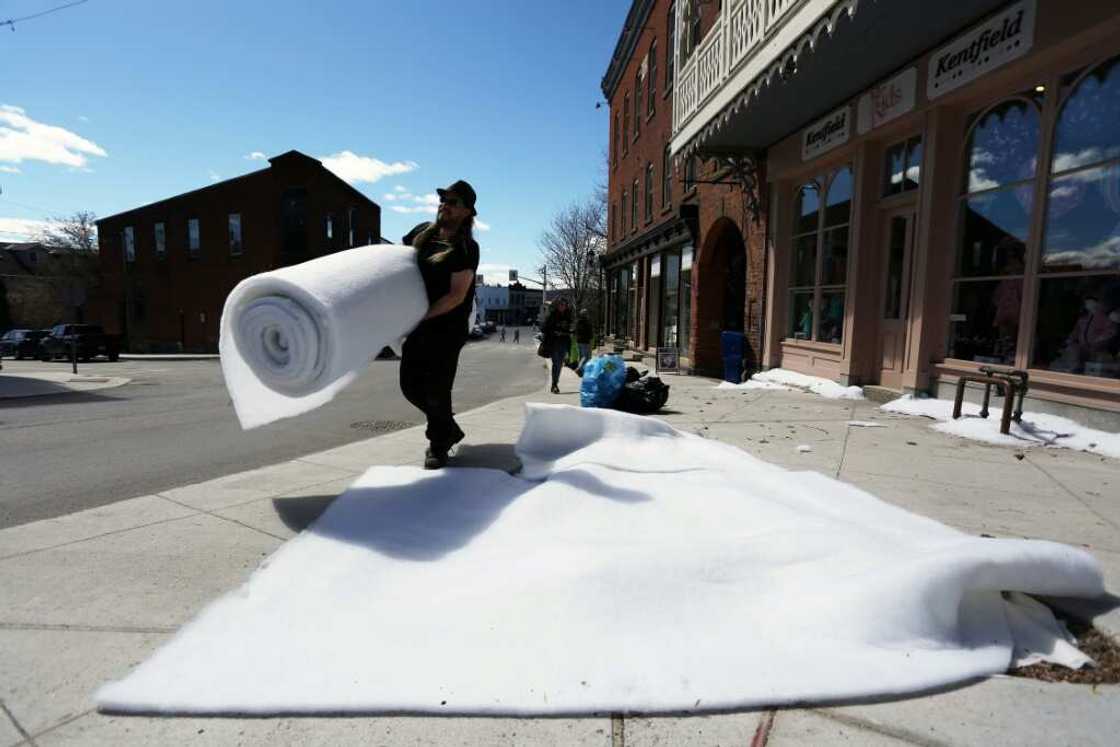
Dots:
{"x": 89, "y": 595}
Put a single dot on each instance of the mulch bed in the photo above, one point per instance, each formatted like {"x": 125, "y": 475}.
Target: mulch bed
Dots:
{"x": 1092, "y": 642}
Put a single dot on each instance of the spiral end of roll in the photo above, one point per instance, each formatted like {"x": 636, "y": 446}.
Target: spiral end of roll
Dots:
{"x": 283, "y": 344}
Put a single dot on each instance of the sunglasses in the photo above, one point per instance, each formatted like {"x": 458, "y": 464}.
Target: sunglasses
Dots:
{"x": 451, "y": 201}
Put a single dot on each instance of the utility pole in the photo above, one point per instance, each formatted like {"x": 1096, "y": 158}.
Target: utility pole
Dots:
{"x": 544, "y": 284}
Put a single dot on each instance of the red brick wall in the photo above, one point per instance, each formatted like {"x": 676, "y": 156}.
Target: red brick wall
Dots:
{"x": 648, "y": 146}
{"x": 182, "y": 297}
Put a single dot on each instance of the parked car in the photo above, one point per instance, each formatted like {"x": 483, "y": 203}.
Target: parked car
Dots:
{"x": 22, "y": 343}
{"x": 490, "y": 326}
{"x": 90, "y": 339}
{"x": 477, "y": 332}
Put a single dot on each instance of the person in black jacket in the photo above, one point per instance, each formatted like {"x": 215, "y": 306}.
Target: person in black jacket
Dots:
{"x": 584, "y": 333}
{"x": 558, "y": 337}
{"x": 447, "y": 255}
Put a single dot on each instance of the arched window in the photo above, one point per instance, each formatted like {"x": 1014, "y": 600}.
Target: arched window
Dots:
{"x": 651, "y": 78}
{"x": 820, "y": 248}
{"x": 1001, "y": 159}
{"x": 1078, "y": 322}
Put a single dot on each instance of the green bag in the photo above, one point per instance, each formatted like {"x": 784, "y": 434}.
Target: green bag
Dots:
{"x": 573, "y": 353}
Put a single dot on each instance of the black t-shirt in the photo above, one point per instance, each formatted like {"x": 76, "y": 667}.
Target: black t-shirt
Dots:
{"x": 437, "y": 277}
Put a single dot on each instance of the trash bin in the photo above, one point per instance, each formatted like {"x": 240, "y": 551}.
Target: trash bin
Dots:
{"x": 731, "y": 348}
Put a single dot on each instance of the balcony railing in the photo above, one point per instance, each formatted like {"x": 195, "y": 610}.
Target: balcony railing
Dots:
{"x": 736, "y": 37}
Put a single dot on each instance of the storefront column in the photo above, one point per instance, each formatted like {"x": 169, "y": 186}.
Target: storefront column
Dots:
{"x": 934, "y": 246}
{"x": 861, "y": 298}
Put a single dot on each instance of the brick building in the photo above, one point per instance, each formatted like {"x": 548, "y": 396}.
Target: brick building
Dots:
{"x": 685, "y": 256}
{"x": 42, "y": 285}
{"x": 167, "y": 267}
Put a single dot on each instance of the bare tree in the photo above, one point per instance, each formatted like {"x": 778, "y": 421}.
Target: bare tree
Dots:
{"x": 571, "y": 246}
{"x": 77, "y": 231}
{"x": 74, "y": 263}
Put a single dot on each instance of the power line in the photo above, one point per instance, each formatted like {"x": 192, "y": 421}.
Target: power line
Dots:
{"x": 11, "y": 22}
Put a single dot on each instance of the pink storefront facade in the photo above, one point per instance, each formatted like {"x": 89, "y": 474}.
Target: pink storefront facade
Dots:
{"x": 962, "y": 211}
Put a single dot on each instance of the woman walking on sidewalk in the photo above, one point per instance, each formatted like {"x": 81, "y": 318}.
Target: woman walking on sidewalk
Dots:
{"x": 558, "y": 338}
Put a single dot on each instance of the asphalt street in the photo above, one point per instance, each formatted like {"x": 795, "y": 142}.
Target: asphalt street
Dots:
{"x": 173, "y": 425}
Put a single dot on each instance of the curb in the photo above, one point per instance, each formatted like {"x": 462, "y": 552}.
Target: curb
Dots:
{"x": 169, "y": 357}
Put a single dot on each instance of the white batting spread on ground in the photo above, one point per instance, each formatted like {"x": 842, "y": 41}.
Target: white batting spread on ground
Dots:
{"x": 292, "y": 338}
{"x": 630, "y": 567}
{"x": 780, "y": 378}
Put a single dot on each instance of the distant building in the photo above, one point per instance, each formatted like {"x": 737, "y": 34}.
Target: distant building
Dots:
{"x": 43, "y": 285}
{"x": 524, "y": 303}
{"x": 167, "y": 267}
{"x": 493, "y": 303}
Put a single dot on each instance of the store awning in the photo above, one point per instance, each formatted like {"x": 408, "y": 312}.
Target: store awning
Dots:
{"x": 847, "y": 51}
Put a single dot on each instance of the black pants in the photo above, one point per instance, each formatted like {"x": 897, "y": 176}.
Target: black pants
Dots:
{"x": 561, "y": 346}
{"x": 429, "y": 361}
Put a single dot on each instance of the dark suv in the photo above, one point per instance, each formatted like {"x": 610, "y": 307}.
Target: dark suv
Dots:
{"x": 22, "y": 343}
{"x": 90, "y": 339}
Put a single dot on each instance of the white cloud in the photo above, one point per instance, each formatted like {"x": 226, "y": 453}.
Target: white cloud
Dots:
{"x": 24, "y": 139}
{"x": 389, "y": 196}
{"x": 480, "y": 225}
{"x": 9, "y": 170}
{"x": 83, "y": 118}
{"x": 399, "y": 188}
{"x": 256, "y": 156}
{"x": 352, "y": 168}
{"x": 494, "y": 273}
{"x": 214, "y": 176}
{"x": 20, "y": 229}
{"x": 413, "y": 209}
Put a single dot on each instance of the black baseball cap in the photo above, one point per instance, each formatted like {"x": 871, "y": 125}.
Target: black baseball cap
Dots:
{"x": 463, "y": 191}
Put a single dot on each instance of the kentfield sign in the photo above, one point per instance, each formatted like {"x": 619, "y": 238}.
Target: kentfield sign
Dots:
{"x": 1002, "y": 38}
{"x": 826, "y": 134}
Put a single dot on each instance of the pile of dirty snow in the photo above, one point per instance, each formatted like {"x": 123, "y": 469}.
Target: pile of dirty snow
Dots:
{"x": 780, "y": 378}
{"x": 1036, "y": 429}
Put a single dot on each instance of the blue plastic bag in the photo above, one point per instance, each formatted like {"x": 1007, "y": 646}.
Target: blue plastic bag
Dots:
{"x": 603, "y": 379}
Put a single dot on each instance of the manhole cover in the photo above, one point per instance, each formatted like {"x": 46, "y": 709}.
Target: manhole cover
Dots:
{"x": 379, "y": 426}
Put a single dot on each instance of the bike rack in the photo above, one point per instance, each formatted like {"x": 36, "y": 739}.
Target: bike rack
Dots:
{"x": 1009, "y": 382}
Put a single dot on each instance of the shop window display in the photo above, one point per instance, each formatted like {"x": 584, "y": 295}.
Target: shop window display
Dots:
{"x": 995, "y": 226}
{"x": 1078, "y": 324}
{"x": 819, "y": 258}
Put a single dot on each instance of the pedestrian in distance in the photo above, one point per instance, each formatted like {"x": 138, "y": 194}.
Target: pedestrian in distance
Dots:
{"x": 558, "y": 337}
{"x": 516, "y": 335}
{"x": 584, "y": 333}
{"x": 447, "y": 255}
{"x": 502, "y": 334}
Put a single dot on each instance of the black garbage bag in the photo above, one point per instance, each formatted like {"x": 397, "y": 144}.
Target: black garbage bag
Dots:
{"x": 642, "y": 394}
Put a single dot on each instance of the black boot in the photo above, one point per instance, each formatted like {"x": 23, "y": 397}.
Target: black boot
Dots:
{"x": 435, "y": 459}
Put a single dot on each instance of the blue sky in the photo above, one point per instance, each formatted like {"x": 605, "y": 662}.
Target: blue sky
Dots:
{"x": 116, "y": 103}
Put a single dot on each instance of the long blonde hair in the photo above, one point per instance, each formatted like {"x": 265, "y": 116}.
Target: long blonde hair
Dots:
{"x": 466, "y": 231}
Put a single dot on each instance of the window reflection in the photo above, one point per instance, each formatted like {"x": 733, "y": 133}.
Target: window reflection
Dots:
{"x": 1089, "y": 128}
{"x": 838, "y": 207}
{"x": 801, "y": 315}
{"x": 1003, "y": 147}
{"x": 808, "y": 206}
{"x": 995, "y": 231}
{"x": 832, "y": 317}
{"x": 1083, "y": 221}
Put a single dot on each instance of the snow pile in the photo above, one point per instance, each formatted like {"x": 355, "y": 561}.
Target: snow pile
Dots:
{"x": 632, "y": 567}
{"x": 815, "y": 384}
{"x": 753, "y": 384}
{"x": 292, "y": 338}
{"x": 1036, "y": 429}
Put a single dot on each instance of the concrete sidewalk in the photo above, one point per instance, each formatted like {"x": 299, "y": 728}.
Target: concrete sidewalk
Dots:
{"x": 88, "y": 596}
{"x": 16, "y": 384}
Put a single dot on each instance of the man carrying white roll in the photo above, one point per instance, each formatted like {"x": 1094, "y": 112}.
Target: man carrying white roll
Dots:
{"x": 447, "y": 255}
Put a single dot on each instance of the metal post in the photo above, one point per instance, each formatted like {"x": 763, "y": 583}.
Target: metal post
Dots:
{"x": 1005, "y": 420}
{"x": 959, "y": 398}
{"x": 74, "y": 352}
{"x": 987, "y": 399}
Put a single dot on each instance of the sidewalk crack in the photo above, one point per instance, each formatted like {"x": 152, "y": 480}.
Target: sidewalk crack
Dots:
{"x": 98, "y": 536}
{"x": 228, "y": 518}
{"x": 1074, "y": 495}
{"x": 18, "y": 726}
{"x": 904, "y": 735}
{"x": 67, "y": 628}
